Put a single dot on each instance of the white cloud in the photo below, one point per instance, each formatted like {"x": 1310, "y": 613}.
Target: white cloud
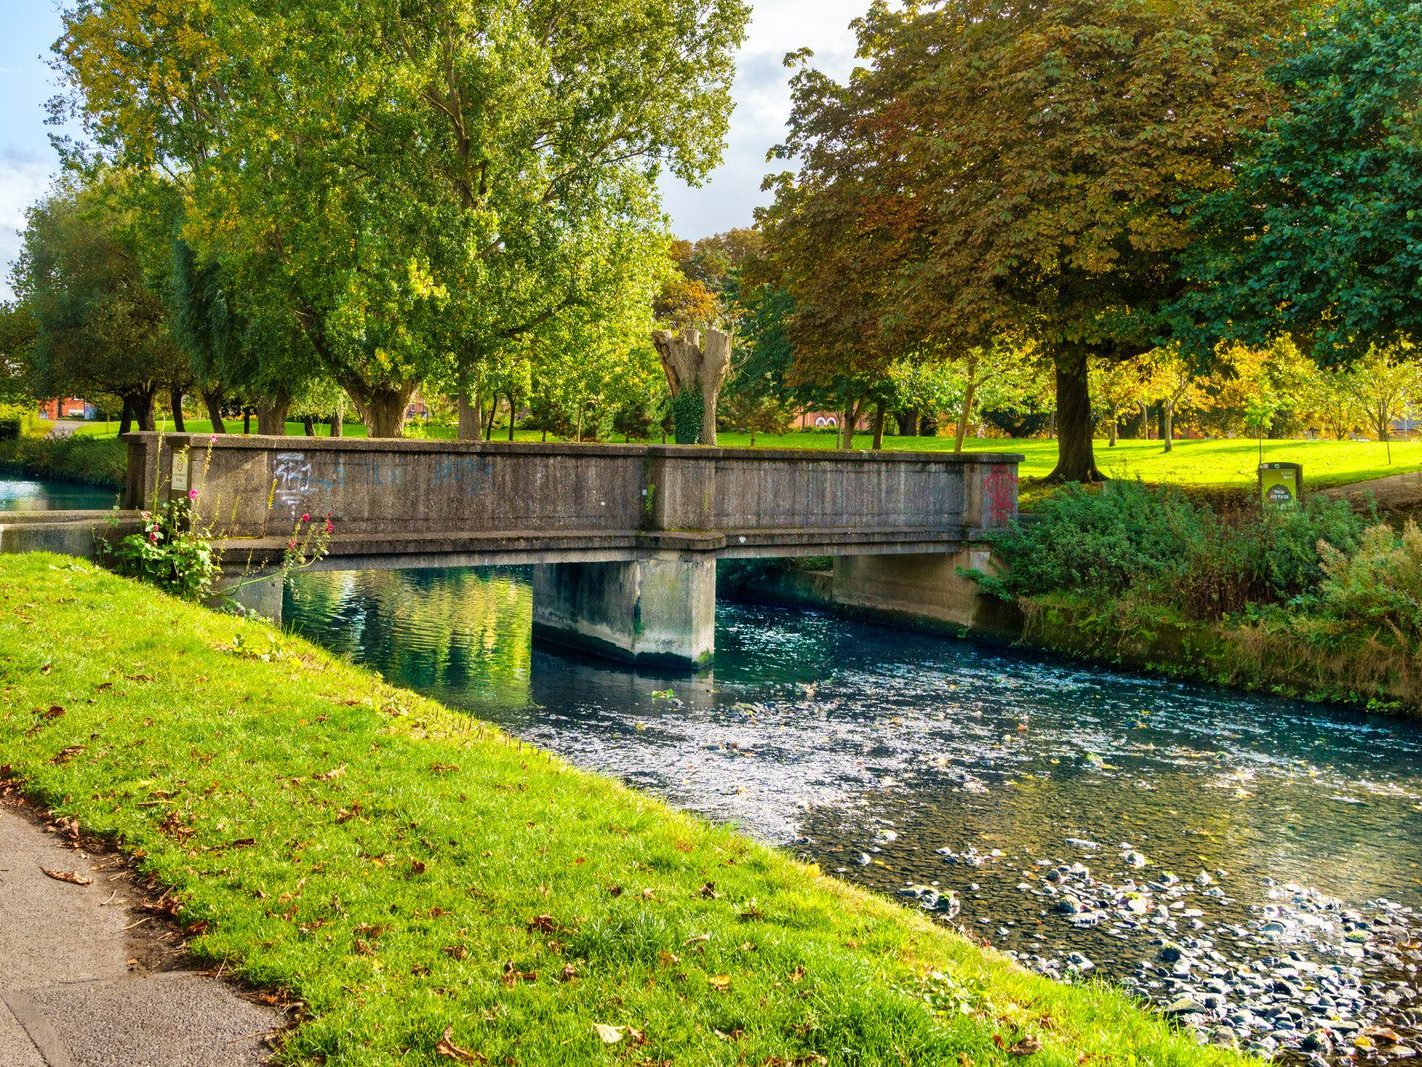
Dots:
{"x": 22, "y": 182}
{"x": 762, "y": 95}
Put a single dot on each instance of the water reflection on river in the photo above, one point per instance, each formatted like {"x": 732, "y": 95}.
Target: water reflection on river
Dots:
{"x": 28, "y": 494}
{"x": 904, "y": 758}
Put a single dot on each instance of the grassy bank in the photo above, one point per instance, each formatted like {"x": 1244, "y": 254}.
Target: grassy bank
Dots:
{"x": 1311, "y": 659}
{"x": 99, "y": 461}
{"x": 401, "y": 870}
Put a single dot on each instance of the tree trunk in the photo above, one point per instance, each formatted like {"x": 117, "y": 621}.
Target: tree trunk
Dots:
{"x": 489, "y": 422}
{"x": 694, "y": 361}
{"x": 907, "y": 422}
{"x": 846, "y": 426}
{"x": 471, "y": 426}
{"x": 879, "y": 428}
{"x": 271, "y": 416}
{"x": 385, "y": 409}
{"x": 213, "y": 402}
{"x": 308, "y": 422}
{"x": 1167, "y": 426}
{"x": 175, "y": 401}
{"x": 1112, "y": 442}
{"x": 338, "y": 423}
{"x": 126, "y": 419}
{"x": 511, "y": 416}
{"x": 246, "y": 420}
{"x": 1076, "y": 460}
{"x": 143, "y": 410}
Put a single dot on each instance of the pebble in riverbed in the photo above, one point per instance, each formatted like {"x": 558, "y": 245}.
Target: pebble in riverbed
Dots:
{"x": 1297, "y": 981}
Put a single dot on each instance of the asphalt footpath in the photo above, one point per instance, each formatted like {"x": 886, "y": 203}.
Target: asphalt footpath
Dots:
{"x": 82, "y": 980}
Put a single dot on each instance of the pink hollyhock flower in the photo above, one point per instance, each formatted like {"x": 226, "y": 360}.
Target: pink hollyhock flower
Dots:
{"x": 329, "y": 527}
{"x": 291, "y": 544}
{"x": 305, "y": 518}
{"x": 192, "y": 494}
{"x": 153, "y": 537}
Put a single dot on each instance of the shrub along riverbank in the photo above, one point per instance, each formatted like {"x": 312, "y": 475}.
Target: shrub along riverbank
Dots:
{"x": 407, "y": 873}
{"x": 1318, "y": 602}
{"x": 100, "y": 461}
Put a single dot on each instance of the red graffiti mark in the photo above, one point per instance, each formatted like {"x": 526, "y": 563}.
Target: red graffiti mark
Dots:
{"x": 999, "y": 496}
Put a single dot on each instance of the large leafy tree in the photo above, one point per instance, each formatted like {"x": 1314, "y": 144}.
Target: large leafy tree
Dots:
{"x": 1005, "y": 167}
{"x": 98, "y": 328}
{"x": 1321, "y": 233}
{"x": 437, "y": 181}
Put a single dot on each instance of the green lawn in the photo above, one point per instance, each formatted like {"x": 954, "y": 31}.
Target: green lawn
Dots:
{"x": 404, "y": 872}
{"x": 1197, "y": 463}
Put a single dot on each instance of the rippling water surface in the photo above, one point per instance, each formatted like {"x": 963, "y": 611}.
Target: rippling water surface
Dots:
{"x": 26, "y": 494}
{"x": 905, "y": 759}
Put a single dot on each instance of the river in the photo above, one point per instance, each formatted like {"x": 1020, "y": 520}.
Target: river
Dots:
{"x": 1251, "y": 865}
{"x": 27, "y": 494}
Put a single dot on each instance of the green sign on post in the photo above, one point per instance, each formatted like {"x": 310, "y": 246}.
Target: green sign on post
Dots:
{"x": 1281, "y": 484}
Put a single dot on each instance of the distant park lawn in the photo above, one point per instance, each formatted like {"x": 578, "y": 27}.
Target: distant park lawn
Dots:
{"x": 1213, "y": 464}
{"x": 1198, "y": 463}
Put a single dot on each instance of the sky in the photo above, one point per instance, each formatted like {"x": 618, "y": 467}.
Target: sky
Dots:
{"x": 726, "y": 199}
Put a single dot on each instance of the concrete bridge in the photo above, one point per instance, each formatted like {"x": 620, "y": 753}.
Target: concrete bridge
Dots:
{"x": 623, "y": 539}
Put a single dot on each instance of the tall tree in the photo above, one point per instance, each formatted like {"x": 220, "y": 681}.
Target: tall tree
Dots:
{"x": 98, "y": 327}
{"x": 436, "y": 180}
{"x": 1021, "y": 167}
{"x": 1320, "y": 235}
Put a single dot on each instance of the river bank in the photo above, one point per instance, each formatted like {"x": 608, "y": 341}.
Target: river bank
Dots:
{"x": 1268, "y": 654}
{"x": 96, "y": 461}
{"x": 984, "y": 785}
{"x": 429, "y": 888}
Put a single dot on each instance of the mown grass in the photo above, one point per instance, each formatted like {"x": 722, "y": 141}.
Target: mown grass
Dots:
{"x": 401, "y": 869}
{"x": 1207, "y": 464}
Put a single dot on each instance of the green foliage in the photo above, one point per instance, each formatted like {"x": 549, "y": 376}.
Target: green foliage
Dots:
{"x": 101, "y": 461}
{"x": 1260, "y": 556}
{"x": 98, "y": 328}
{"x": 166, "y": 552}
{"x": 1160, "y": 547}
{"x": 487, "y": 173}
{"x": 1097, "y": 541}
{"x": 687, "y": 413}
{"x": 1320, "y": 233}
{"x": 1377, "y": 584}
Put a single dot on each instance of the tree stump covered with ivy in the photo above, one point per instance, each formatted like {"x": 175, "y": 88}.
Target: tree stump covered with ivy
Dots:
{"x": 696, "y": 365}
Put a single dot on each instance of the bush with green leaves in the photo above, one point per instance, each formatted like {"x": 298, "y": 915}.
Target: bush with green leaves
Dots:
{"x": 1379, "y": 583}
{"x": 1261, "y": 556}
{"x": 1097, "y": 541}
{"x": 167, "y": 552}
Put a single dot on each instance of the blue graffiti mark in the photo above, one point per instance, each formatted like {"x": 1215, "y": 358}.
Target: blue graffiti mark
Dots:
{"x": 472, "y": 471}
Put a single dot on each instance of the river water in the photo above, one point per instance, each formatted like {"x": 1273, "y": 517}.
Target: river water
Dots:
{"x": 1252, "y": 865}
{"x": 27, "y": 494}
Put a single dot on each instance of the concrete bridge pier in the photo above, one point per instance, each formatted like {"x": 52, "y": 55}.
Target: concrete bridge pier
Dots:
{"x": 654, "y": 612}
{"x": 923, "y": 588}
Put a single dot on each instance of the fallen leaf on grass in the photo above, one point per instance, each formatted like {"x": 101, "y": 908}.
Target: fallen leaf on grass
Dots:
{"x": 449, "y": 1050}
{"x": 64, "y": 755}
{"x": 68, "y": 876}
{"x": 1029, "y": 1045}
{"x": 610, "y": 1035}
{"x": 332, "y": 774}
{"x": 720, "y": 982}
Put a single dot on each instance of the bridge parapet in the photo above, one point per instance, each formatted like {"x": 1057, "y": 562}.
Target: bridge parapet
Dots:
{"x": 254, "y": 487}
